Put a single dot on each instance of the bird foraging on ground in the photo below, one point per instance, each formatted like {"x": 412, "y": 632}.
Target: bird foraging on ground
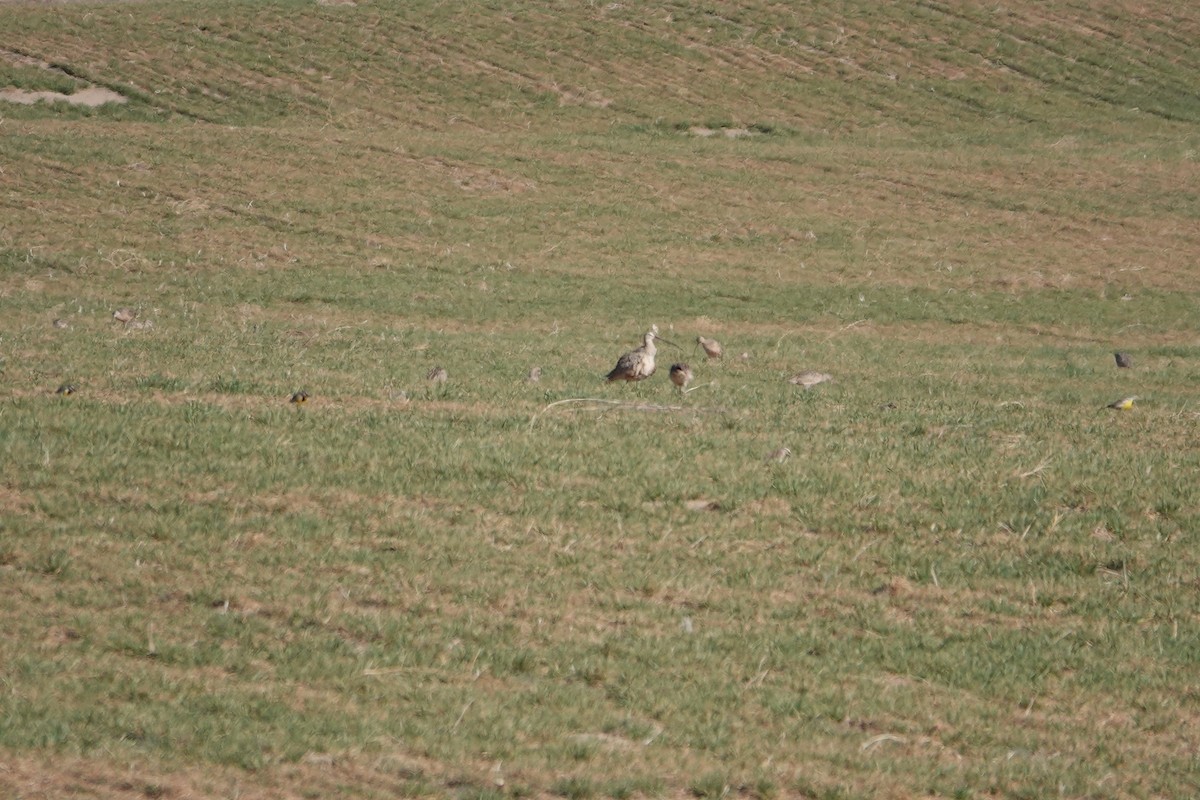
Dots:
{"x": 638, "y": 364}
{"x": 778, "y": 456}
{"x": 534, "y": 375}
{"x": 124, "y": 315}
{"x": 298, "y": 398}
{"x": 810, "y": 378}
{"x": 65, "y": 389}
{"x": 712, "y": 348}
{"x": 1123, "y": 360}
{"x": 1124, "y": 404}
{"x": 681, "y": 376}
{"x": 438, "y": 375}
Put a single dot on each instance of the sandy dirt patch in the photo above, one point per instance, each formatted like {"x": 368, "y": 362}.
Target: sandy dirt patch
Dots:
{"x": 92, "y": 96}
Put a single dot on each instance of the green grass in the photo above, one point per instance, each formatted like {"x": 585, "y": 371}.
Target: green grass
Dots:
{"x": 969, "y": 580}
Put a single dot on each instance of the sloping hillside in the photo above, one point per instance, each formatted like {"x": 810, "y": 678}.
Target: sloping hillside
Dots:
{"x": 820, "y": 67}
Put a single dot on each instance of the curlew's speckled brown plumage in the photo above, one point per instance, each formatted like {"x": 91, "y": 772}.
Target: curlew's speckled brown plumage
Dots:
{"x": 638, "y": 364}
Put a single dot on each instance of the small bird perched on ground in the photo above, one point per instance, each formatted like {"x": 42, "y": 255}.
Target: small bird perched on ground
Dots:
{"x": 1123, "y": 360}
{"x": 1124, "y": 404}
{"x": 534, "y": 375}
{"x": 124, "y": 315}
{"x": 61, "y": 324}
{"x": 438, "y": 375}
{"x": 299, "y": 398}
{"x": 712, "y": 348}
{"x": 681, "y": 376}
{"x": 65, "y": 389}
{"x": 638, "y": 364}
{"x": 778, "y": 456}
{"x": 810, "y": 378}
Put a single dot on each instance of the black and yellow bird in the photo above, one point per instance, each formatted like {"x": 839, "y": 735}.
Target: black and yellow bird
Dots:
{"x": 299, "y": 398}
{"x": 65, "y": 389}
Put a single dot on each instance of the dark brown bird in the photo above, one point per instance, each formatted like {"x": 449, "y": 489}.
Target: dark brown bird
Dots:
{"x": 681, "y": 376}
{"x": 1123, "y": 360}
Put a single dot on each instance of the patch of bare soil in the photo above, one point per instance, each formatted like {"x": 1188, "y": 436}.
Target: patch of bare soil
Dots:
{"x": 91, "y": 97}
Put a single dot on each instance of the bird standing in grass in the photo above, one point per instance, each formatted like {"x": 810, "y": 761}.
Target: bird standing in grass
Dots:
{"x": 810, "y": 378}
{"x": 712, "y": 348}
{"x": 298, "y": 398}
{"x": 438, "y": 375}
{"x": 1124, "y": 404}
{"x": 638, "y": 364}
{"x": 65, "y": 389}
{"x": 534, "y": 375}
{"x": 124, "y": 315}
{"x": 681, "y": 376}
{"x": 778, "y": 456}
{"x": 1123, "y": 360}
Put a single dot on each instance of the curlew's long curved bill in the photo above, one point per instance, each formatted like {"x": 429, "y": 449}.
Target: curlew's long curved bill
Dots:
{"x": 668, "y": 341}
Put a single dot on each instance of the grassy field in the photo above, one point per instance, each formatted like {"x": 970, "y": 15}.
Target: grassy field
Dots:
{"x": 970, "y": 579}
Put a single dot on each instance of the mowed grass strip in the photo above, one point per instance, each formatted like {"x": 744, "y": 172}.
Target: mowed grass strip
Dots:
{"x": 969, "y": 578}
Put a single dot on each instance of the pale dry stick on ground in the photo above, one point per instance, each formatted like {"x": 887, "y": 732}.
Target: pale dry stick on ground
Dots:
{"x": 1045, "y": 462}
{"x": 620, "y": 405}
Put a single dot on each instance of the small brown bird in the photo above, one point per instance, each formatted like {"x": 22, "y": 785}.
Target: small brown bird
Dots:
{"x": 1123, "y": 360}
{"x": 61, "y": 324}
{"x": 534, "y": 375}
{"x": 299, "y": 398}
{"x": 681, "y": 376}
{"x": 637, "y": 364}
{"x": 438, "y": 375}
{"x": 810, "y": 378}
{"x": 778, "y": 456}
{"x": 65, "y": 389}
{"x": 124, "y": 315}
{"x": 712, "y": 348}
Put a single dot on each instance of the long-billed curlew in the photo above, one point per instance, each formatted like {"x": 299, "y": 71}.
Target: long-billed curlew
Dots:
{"x": 712, "y": 348}
{"x": 681, "y": 376}
{"x": 637, "y": 365}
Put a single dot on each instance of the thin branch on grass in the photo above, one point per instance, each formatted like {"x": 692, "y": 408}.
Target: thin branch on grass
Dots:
{"x": 875, "y": 741}
{"x": 461, "y": 714}
{"x": 622, "y": 405}
{"x": 1044, "y": 463}
{"x": 846, "y": 327}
